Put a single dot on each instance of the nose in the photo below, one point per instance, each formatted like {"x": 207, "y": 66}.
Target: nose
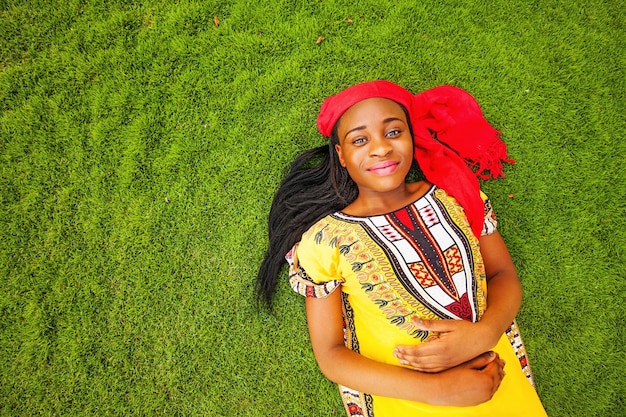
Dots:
{"x": 380, "y": 146}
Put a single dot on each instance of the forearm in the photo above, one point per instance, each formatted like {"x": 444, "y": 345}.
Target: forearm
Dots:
{"x": 345, "y": 367}
{"x": 471, "y": 383}
{"x": 504, "y": 297}
{"x": 504, "y": 292}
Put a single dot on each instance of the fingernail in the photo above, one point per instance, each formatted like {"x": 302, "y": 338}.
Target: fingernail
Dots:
{"x": 492, "y": 354}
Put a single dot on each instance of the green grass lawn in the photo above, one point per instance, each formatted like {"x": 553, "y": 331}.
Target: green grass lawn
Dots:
{"x": 141, "y": 143}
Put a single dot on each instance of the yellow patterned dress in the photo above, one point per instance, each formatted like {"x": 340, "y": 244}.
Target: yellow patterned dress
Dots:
{"x": 421, "y": 261}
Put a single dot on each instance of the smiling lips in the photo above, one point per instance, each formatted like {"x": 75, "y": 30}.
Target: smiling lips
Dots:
{"x": 384, "y": 168}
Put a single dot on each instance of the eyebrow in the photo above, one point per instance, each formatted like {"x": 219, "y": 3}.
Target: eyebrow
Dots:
{"x": 387, "y": 120}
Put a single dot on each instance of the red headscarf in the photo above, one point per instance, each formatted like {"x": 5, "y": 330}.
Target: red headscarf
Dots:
{"x": 454, "y": 144}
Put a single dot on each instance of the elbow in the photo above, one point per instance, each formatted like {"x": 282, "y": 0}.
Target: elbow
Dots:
{"x": 330, "y": 363}
{"x": 327, "y": 372}
{"x": 327, "y": 369}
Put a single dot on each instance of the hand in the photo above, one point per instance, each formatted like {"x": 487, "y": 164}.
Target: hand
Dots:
{"x": 455, "y": 342}
{"x": 470, "y": 383}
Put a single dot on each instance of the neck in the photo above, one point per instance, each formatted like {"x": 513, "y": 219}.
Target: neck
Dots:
{"x": 370, "y": 203}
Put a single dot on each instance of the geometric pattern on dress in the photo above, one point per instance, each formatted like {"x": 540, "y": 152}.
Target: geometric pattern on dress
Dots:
{"x": 349, "y": 331}
{"x": 449, "y": 230}
{"x": 453, "y": 258}
{"x": 410, "y": 224}
{"x": 356, "y": 403}
{"x": 301, "y": 283}
{"x": 421, "y": 274}
{"x": 472, "y": 279}
{"x": 429, "y": 216}
{"x": 410, "y": 292}
{"x": 390, "y": 233}
{"x": 490, "y": 221}
{"x": 515, "y": 338}
{"x": 462, "y": 308}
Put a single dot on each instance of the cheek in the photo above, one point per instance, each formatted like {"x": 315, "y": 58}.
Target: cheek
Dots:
{"x": 407, "y": 147}
{"x": 352, "y": 158}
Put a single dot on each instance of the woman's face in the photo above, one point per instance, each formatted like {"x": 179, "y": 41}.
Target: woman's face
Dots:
{"x": 375, "y": 145}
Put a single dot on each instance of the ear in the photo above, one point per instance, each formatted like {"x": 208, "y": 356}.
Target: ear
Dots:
{"x": 340, "y": 155}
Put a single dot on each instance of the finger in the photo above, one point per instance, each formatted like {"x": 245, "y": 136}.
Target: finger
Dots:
{"x": 405, "y": 352}
{"x": 405, "y": 355}
{"x": 495, "y": 373}
{"x": 430, "y": 367}
{"x": 417, "y": 362}
{"x": 422, "y": 363}
{"x": 499, "y": 365}
{"x": 431, "y": 347}
{"x": 417, "y": 351}
{"x": 435, "y": 325}
{"x": 421, "y": 360}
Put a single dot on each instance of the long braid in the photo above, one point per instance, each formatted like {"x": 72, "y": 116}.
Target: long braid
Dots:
{"x": 315, "y": 187}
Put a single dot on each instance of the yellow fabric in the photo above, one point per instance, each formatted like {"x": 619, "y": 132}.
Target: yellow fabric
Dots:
{"x": 339, "y": 252}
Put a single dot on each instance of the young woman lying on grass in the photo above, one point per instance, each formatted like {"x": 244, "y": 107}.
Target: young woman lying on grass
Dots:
{"x": 411, "y": 293}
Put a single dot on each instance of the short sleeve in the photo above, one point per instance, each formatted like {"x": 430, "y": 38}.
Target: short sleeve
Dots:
{"x": 490, "y": 221}
{"x": 313, "y": 267}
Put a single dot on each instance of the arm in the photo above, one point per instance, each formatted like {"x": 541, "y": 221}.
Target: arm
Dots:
{"x": 482, "y": 375}
{"x": 504, "y": 291}
{"x": 460, "y": 340}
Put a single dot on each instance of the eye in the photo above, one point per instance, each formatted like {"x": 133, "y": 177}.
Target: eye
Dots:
{"x": 393, "y": 133}
{"x": 359, "y": 140}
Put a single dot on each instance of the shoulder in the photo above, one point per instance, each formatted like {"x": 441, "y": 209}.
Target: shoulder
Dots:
{"x": 315, "y": 260}
{"x": 325, "y": 233}
{"x": 441, "y": 193}
{"x": 331, "y": 223}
